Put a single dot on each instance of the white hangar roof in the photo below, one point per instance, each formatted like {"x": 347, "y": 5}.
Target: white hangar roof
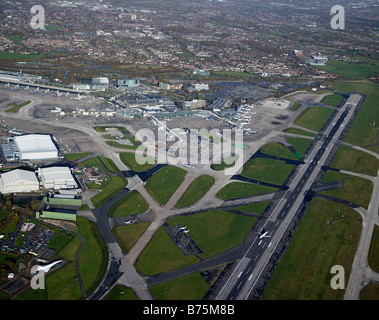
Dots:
{"x": 35, "y": 143}
{"x": 18, "y": 181}
{"x": 57, "y": 177}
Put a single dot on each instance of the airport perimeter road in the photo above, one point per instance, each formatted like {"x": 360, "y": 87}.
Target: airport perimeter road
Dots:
{"x": 250, "y": 268}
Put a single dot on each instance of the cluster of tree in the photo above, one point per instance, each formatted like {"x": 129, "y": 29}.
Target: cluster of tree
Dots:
{"x": 7, "y": 266}
{"x": 12, "y": 217}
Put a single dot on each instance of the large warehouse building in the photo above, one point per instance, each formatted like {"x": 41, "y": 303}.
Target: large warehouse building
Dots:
{"x": 30, "y": 147}
{"x": 18, "y": 181}
{"x": 57, "y": 178}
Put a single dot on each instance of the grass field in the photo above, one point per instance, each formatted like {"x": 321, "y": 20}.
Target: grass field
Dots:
{"x": 300, "y": 144}
{"x": 133, "y": 203}
{"x": 119, "y": 292}
{"x": 267, "y": 170}
{"x": 364, "y": 129}
{"x": 107, "y": 165}
{"x": 304, "y": 270}
{"x": 236, "y": 190}
{"x": 223, "y": 165}
{"x": 373, "y": 256}
{"x": 129, "y": 159}
{"x": 115, "y": 185}
{"x": 314, "y": 118}
{"x": 197, "y": 189}
{"x": 277, "y": 150}
{"x": 296, "y": 106}
{"x": 76, "y": 156}
{"x": 18, "y": 56}
{"x": 353, "y": 70}
{"x": 126, "y": 236}
{"x": 188, "y": 287}
{"x": 215, "y": 231}
{"x": 299, "y": 131}
{"x": 164, "y": 183}
{"x": 15, "y": 108}
{"x": 332, "y": 100}
{"x": 370, "y": 292}
{"x": 94, "y": 255}
{"x": 356, "y": 189}
{"x": 257, "y": 208}
{"x": 162, "y": 255}
{"x": 356, "y": 161}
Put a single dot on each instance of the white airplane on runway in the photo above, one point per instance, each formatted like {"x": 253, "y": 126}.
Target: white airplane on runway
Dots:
{"x": 263, "y": 234}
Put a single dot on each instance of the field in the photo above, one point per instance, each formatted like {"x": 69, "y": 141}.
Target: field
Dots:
{"x": 223, "y": 165}
{"x": 356, "y": 161}
{"x": 304, "y": 270}
{"x": 299, "y": 131}
{"x": 332, "y": 100}
{"x": 132, "y": 203}
{"x": 151, "y": 261}
{"x": 356, "y": 189}
{"x": 126, "y": 236}
{"x": 129, "y": 159}
{"x": 115, "y": 185}
{"x": 300, "y": 144}
{"x": 188, "y": 287}
{"x": 267, "y": 170}
{"x": 215, "y": 231}
{"x": 314, "y": 118}
{"x": 196, "y": 190}
{"x": 163, "y": 183}
{"x": 353, "y": 70}
{"x": 236, "y": 190}
{"x": 119, "y": 292}
{"x": 17, "y": 107}
{"x": 62, "y": 283}
{"x": 18, "y": 56}
{"x": 296, "y": 106}
{"x": 373, "y": 257}
{"x": 278, "y": 150}
{"x": 364, "y": 129}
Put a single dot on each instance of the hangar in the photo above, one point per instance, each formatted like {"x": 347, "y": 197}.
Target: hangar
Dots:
{"x": 18, "y": 181}
{"x": 57, "y": 178}
{"x": 30, "y": 147}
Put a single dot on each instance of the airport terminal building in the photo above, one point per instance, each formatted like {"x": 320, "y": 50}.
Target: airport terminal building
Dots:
{"x": 30, "y": 147}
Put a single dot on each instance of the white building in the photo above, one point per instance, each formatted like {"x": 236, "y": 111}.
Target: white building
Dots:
{"x": 30, "y": 147}
{"x": 18, "y": 181}
{"x": 198, "y": 87}
{"x": 57, "y": 178}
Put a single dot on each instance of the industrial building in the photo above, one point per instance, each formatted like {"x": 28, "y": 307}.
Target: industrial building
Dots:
{"x": 57, "y": 178}
{"x": 94, "y": 84}
{"x": 18, "y": 181}
{"x": 193, "y": 105}
{"x": 128, "y": 83}
{"x": 30, "y": 147}
{"x": 60, "y": 209}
